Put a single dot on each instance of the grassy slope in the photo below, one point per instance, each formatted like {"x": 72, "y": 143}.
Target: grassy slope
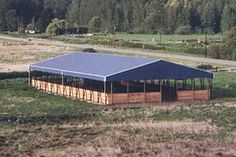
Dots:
{"x": 16, "y": 99}
{"x": 56, "y": 123}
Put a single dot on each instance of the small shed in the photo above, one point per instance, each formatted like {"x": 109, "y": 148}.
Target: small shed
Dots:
{"x": 112, "y": 79}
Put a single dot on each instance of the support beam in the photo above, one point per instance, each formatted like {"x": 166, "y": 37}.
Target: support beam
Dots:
{"x": 192, "y": 81}
{"x": 111, "y": 93}
{"x": 177, "y": 89}
{"x": 208, "y": 88}
{"x": 29, "y": 77}
{"x": 212, "y": 88}
{"x": 177, "y": 86}
{"x": 84, "y": 90}
{"x": 62, "y": 83}
{"x": 144, "y": 90}
{"x": 127, "y": 91}
{"x": 160, "y": 90}
{"x": 62, "y": 79}
{"x": 203, "y": 82}
{"x": 105, "y": 92}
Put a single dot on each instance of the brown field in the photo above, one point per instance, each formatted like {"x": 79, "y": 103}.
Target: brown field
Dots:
{"x": 16, "y": 56}
{"x": 144, "y": 137}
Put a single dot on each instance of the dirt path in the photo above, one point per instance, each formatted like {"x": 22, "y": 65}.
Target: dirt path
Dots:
{"x": 124, "y": 51}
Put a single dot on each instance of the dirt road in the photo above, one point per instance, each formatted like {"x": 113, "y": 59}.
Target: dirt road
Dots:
{"x": 123, "y": 51}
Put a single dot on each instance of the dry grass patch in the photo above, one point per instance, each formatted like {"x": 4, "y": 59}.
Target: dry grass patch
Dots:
{"x": 17, "y": 57}
{"x": 118, "y": 143}
{"x": 176, "y": 127}
{"x": 22, "y": 99}
{"x": 227, "y": 104}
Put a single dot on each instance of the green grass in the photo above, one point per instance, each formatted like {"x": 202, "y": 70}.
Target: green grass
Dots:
{"x": 225, "y": 86}
{"x": 19, "y": 100}
{"x": 140, "y": 41}
{"x": 23, "y": 104}
{"x": 145, "y": 41}
{"x": 30, "y": 113}
{"x": 165, "y": 38}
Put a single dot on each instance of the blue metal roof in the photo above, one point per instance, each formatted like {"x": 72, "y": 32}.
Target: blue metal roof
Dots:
{"x": 105, "y": 67}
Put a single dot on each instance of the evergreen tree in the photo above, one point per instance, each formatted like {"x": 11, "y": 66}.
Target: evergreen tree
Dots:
{"x": 95, "y": 24}
{"x": 138, "y": 16}
{"x": 73, "y": 13}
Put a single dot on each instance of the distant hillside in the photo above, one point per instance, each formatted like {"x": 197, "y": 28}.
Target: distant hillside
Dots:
{"x": 137, "y": 16}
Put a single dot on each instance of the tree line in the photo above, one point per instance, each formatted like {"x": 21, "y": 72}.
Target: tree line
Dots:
{"x": 132, "y": 16}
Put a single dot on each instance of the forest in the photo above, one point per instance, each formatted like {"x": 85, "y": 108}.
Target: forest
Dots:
{"x": 132, "y": 16}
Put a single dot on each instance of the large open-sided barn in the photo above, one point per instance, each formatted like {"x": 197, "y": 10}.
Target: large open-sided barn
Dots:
{"x": 111, "y": 79}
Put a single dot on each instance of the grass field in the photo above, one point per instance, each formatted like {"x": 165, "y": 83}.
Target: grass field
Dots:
{"x": 166, "y": 38}
{"x": 35, "y": 123}
{"x": 137, "y": 37}
{"x": 172, "y": 44}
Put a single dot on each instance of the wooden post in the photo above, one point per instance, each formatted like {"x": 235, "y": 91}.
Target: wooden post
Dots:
{"x": 111, "y": 93}
{"x": 84, "y": 90}
{"x": 128, "y": 92}
{"x": 144, "y": 90}
{"x": 192, "y": 81}
{"x": 177, "y": 86}
{"x": 160, "y": 90}
{"x": 105, "y": 91}
{"x": 212, "y": 88}
{"x": 208, "y": 88}
{"x": 62, "y": 83}
{"x": 62, "y": 79}
{"x": 29, "y": 78}
{"x": 177, "y": 89}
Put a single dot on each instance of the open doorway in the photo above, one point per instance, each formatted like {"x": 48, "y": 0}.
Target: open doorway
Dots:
{"x": 169, "y": 92}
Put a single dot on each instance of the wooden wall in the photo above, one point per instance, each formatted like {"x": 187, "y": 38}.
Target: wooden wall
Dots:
{"x": 95, "y": 96}
{"x": 71, "y": 92}
{"x": 190, "y": 95}
{"x": 116, "y": 98}
{"x": 133, "y": 98}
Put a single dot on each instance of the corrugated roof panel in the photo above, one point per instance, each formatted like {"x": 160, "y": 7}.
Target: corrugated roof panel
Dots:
{"x": 160, "y": 70}
{"x": 89, "y": 65}
{"x": 104, "y": 67}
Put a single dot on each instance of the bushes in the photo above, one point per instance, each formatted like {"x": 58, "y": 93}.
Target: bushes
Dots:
{"x": 194, "y": 50}
{"x": 11, "y": 75}
{"x": 205, "y": 67}
{"x": 95, "y": 24}
{"x": 91, "y": 50}
{"x": 54, "y": 27}
{"x": 184, "y": 30}
{"x": 130, "y": 44}
{"x": 222, "y": 51}
{"x": 153, "y": 47}
{"x": 219, "y": 51}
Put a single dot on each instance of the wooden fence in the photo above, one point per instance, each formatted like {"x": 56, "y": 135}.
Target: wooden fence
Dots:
{"x": 95, "y": 96}
{"x": 191, "y": 95}
{"x": 101, "y": 98}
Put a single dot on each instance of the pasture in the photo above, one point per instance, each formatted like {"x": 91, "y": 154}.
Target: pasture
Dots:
{"x": 34, "y": 123}
{"x": 166, "y": 38}
{"x": 173, "y": 44}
